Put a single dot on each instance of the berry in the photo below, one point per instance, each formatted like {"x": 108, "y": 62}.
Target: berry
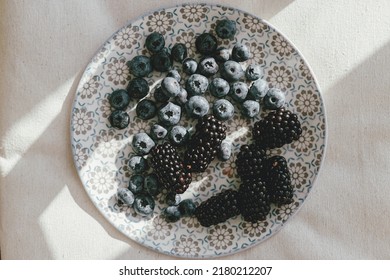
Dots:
{"x": 251, "y": 162}
{"x": 223, "y": 110}
{"x": 179, "y": 52}
{"x": 138, "y": 164}
{"x": 206, "y": 43}
{"x": 172, "y": 199}
{"x": 171, "y": 214}
{"x": 170, "y": 86}
{"x": 173, "y": 73}
{"x": 253, "y": 200}
{"x": 155, "y": 42}
{"x": 179, "y": 135}
{"x": 204, "y": 144}
{"x": 197, "y": 106}
{"x": 258, "y": 89}
{"x": 222, "y": 54}
{"x": 169, "y": 114}
{"x": 171, "y": 172}
{"x": 160, "y": 96}
{"x": 158, "y": 132}
{"x": 278, "y": 181}
{"x": 136, "y": 183}
{"x": 219, "y": 87}
{"x": 225, "y": 150}
{"x": 144, "y": 204}
{"x": 274, "y": 99}
{"x": 226, "y": 29}
{"x": 119, "y": 119}
{"x": 161, "y": 60}
{"x": 138, "y": 88}
{"x": 253, "y": 72}
{"x": 238, "y": 91}
{"x": 187, "y": 207}
{"x": 250, "y": 108}
{"x": 278, "y": 128}
{"x": 142, "y": 143}
{"x": 182, "y": 98}
{"x": 119, "y": 99}
{"x": 125, "y": 197}
{"x": 146, "y": 109}
{"x": 240, "y": 52}
{"x": 196, "y": 84}
{"x": 232, "y": 71}
{"x": 189, "y": 66}
{"x": 152, "y": 185}
{"x": 140, "y": 66}
{"x": 218, "y": 208}
{"x": 208, "y": 67}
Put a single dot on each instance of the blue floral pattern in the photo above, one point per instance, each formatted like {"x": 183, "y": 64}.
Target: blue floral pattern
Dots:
{"x": 101, "y": 153}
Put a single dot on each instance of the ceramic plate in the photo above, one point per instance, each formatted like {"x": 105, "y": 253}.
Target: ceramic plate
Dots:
{"x": 101, "y": 153}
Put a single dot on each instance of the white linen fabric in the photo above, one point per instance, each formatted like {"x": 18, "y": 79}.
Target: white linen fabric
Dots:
{"x": 45, "y": 46}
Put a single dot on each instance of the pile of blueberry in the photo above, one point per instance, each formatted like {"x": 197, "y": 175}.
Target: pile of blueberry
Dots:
{"x": 220, "y": 71}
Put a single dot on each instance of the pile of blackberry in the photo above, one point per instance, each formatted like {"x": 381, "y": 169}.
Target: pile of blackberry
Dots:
{"x": 175, "y": 158}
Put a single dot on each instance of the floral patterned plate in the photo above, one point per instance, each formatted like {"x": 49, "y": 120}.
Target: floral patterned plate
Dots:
{"x": 101, "y": 153}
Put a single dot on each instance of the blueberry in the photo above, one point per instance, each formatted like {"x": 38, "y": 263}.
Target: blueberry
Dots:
{"x": 208, "y": 67}
{"x": 240, "y": 52}
{"x": 250, "y": 108}
{"x": 158, "y": 132}
{"x": 173, "y": 73}
{"x": 223, "y": 109}
{"x": 169, "y": 114}
{"x": 142, "y": 143}
{"x": 274, "y": 99}
{"x": 161, "y": 61}
{"x": 179, "y": 135}
{"x": 226, "y": 29}
{"x": 187, "y": 207}
{"x": 140, "y": 66}
{"x": 119, "y": 99}
{"x": 144, "y": 204}
{"x": 125, "y": 197}
{"x": 170, "y": 86}
{"x": 138, "y": 164}
{"x": 225, "y": 150}
{"x": 182, "y": 98}
{"x": 136, "y": 183}
{"x": 155, "y": 42}
{"x": 179, "y": 52}
{"x": 232, "y": 71}
{"x": 189, "y": 66}
{"x": 238, "y": 91}
{"x": 196, "y": 84}
{"x": 206, "y": 43}
{"x": 171, "y": 214}
{"x": 152, "y": 185}
{"x": 138, "y": 88}
{"x": 253, "y": 72}
{"x": 119, "y": 119}
{"x": 160, "y": 96}
{"x": 172, "y": 198}
{"x": 258, "y": 89}
{"x": 219, "y": 87}
{"x": 222, "y": 54}
{"x": 197, "y": 106}
{"x": 146, "y": 109}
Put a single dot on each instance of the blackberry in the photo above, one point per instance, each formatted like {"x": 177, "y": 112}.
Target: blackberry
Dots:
{"x": 278, "y": 128}
{"x": 251, "y": 162}
{"x": 204, "y": 144}
{"x": 170, "y": 170}
{"x": 253, "y": 200}
{"x": 279, "y": 185}
{"x": 218, "y": 208}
